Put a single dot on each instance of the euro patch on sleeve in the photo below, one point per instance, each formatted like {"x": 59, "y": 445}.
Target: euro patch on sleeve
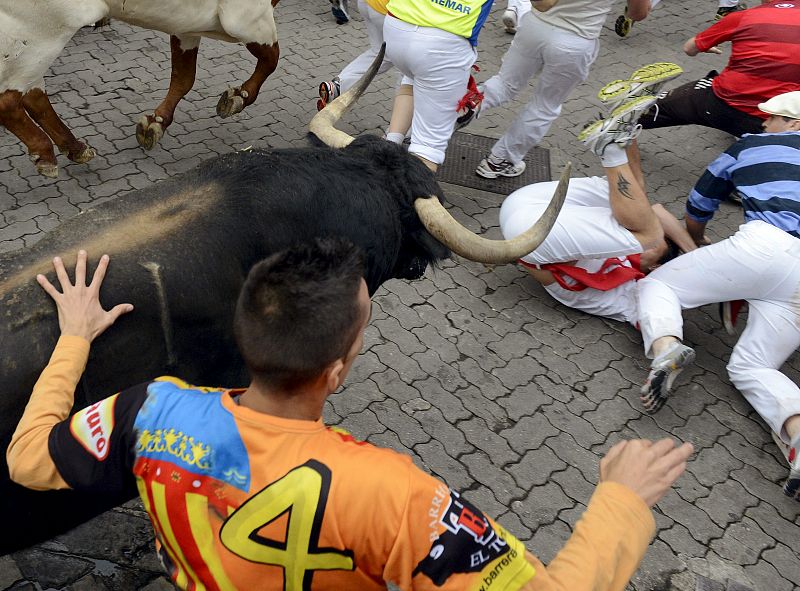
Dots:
{"x": 92, "y": 427}
{"x": 469, "y": 543}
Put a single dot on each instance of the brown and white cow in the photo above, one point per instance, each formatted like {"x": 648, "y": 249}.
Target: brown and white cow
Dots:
{"x": 33, "y": 33}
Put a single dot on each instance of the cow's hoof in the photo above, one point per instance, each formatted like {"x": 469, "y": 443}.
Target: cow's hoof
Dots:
{"x": 230, "y": 103}
{"x": 47, "y": 169}
{"x": 82, "y": 156}
{"x": 149, "y": 131}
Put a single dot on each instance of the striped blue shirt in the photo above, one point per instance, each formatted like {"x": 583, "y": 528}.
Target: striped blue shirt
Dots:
{"x": 765, "y": 169}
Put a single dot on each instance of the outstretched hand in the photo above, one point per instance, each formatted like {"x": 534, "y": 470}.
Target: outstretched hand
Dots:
{"x": 648, "y": 468}
{"x": 79, "y": 311}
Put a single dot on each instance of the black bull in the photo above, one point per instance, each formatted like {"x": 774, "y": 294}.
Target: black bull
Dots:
{"x": 180, "y": 251}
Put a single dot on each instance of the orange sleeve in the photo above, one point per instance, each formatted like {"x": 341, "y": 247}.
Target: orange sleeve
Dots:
{"x": 604, "y": 551}
{"x": 28, "y": 456}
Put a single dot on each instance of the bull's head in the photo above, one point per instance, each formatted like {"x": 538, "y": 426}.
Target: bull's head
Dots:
{"x": 431, "y": 212}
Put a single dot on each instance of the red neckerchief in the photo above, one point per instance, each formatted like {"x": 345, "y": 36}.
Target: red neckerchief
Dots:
{"x": 611, "y": 274}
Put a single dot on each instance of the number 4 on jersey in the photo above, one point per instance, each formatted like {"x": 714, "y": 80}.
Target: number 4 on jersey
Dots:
{"x": 303, "y": 493}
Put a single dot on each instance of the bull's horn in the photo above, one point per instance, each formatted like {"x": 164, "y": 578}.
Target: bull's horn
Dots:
{"x": 471, "y": 246}
{"x": 322, "y": 125}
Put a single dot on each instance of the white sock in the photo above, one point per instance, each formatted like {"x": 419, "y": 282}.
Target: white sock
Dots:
{"x": 728, "y": 3}
{"x": 614, "y": 155}
{"x": 394, "y": 137}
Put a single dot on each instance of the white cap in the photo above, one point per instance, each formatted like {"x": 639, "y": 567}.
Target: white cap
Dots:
{"x": 786, "y": 105}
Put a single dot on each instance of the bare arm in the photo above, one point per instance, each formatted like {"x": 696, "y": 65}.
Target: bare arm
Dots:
{"x": 673, "y": 229}
{"x": 543, "y": 5}
{"x": 638, "y": 9}
{"x": 691, "y": 49}
{"x": 697, "y": 230}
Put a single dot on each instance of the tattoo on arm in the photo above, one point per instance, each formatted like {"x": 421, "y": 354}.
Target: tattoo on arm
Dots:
{"x": 623, "y": 186}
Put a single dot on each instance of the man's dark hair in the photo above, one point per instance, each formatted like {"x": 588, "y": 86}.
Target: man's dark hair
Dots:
{"x": 298, "y": 311}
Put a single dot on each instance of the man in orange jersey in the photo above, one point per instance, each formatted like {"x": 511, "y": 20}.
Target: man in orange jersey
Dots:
{"x": 248, "y": 489}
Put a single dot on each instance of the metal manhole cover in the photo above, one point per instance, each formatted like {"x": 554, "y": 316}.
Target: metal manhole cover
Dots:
{"x": 465, "y": 152}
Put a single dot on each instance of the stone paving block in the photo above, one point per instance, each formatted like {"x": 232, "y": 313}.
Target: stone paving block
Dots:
{"x": 542, "y": 505}
{"x": 769, "y": 492}
{"x": 712, "y": 465}
{"x": 50, "y": 570}
{"x": 727, "y": 503}
{"x": 567, "y": 449}
{"x": 781, "y": 527}
{"x": 658, "y": 565}
{"x": 450, "y": 404}
{"x": 767, "y": 464}
{"x": 691, "y": 517}
{"x": 611, "y": 415}
{"x": 785, "y": 561}
{"x": 769, "y": 577}
{"x": 431, "y": 364}
{"x": 702, "y": 430}
{"x": 486, "y": 472}
{"x": 469, "y": 346}
{"x": 474, "y": 401}
{"x": 536, "y": 467}
{"x": 363, "y": 424}
{"x": 547, "y": 540}
{"x": 581, "y": 430}
{"x": 574, "y": 484}
{"x": 392, "y": 417}
{"x": 482, "y": 437}
{"x": 443, "y": 464}
{"x": 407, "y": 341}
{"x": 519, "y": 372}
{"x": 9, "y": 573}
{"x": 437, "y": 425}
{"x": 681, "y": 541}
{"x": 523, "y": 401}
{"x": 389, "y": 382}
{"x": 561, "y": 392}
{"x": 529, "y": 433}
{"x": 742, "y": 542}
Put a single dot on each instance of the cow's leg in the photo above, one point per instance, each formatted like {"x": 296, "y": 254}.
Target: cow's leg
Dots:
{"x": 234, "y": 100}
{"x": 38, "y": 106}
{"x": 151, "y": 128}
{"x": 14, "y": 118}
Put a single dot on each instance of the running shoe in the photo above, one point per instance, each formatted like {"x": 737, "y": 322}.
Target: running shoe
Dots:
{"x": 492, "y": 167}
{"x": 724, "y": 11}
{"x": 623, "y": 24}
{"x": 663, "y": 371}
{"x": 648, "y": 79}
{"x": 791, "y": 488}
{"x": 620, "y": 127}
{"x": 510, "y": 20}
{"x": 327, "y": 92}
{"x": 339, "y": 11}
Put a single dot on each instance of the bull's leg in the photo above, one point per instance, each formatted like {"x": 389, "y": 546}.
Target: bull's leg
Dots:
{"x": 38, "y": 106}
{"x": 151, "y": 128}
{"x": 14, "y": 118}
{"x": 234, "y": 100}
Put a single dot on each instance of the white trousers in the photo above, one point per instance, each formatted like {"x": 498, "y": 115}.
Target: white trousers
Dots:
{"x": 355, "y": 69}
{"x": 760, "y": 264}
{"x": 562, "y": 61}
{"x": 521, "y": 7}
{"x": 437, "y": 64}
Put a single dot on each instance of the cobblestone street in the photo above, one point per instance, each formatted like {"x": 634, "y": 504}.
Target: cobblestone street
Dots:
{"x": 474, "y": 371}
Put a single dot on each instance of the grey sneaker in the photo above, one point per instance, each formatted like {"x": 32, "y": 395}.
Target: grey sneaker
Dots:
{"x": 510, "y": 21}
{"x": 620, "y": 127}
{"x": 492, "y": 167}
{"x": 725, "y": 11}
{"x": 663, "y": 371}
{"x": 648, "y": 79}
{"x": 791, "y": 488}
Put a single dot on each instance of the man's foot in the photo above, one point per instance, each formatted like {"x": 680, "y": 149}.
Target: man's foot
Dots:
{"x": 650, "y": 79}
{"x": 510, "y": 20}
{"x": 492, "y": 167}
{"x": 728, "y": 314}
{"x": 327, "y": 92}
{"x": 791, "y": 488}
{"x": 663, "y": 371}
{"x": 620, "y": 127}
{"x": 339, "y": 11}
{"x": 724, "y": 11}
{"x": 623, "y": 24}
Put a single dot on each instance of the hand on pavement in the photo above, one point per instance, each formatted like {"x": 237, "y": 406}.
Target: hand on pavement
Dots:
{"x": 79, "y": 310}
{"x": 647, "y": 468}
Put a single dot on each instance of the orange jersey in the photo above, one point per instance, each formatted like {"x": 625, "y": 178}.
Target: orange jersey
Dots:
{"x": 244, "y": 500}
